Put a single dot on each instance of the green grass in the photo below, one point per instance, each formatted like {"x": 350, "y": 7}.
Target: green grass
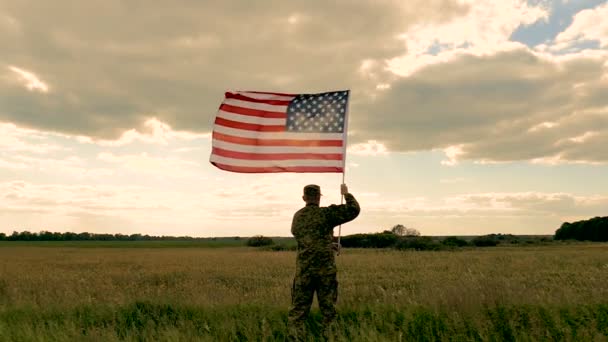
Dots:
{"x": 149, "y": 321}
{"x": 242, "y": 294}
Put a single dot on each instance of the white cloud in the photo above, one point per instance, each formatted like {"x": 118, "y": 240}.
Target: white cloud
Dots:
{"x": 30, "y": 80}
{"x": 371, "y": 147}
{"x": 221, "y": 208}
{"x": 484, "y": 30}
{"x": 452, "y": 153}
{"x": 541, "y": 126}
{"x": 6, "y": 164}
{"x": 143, "y": 163}
{"x": 521, "y": 204}
{"x": 583, "y": 137}
{"x": 69, "y": 198}
{"x": 18, "y": 139}
{"x": 205, "y": 209}
{"x": 154, "y": 132}
{"x": 589, "y": 24}
{"x": 72, "y": 166}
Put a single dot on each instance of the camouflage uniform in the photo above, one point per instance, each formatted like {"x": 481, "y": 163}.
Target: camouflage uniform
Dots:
{"x": 316, "y": 270}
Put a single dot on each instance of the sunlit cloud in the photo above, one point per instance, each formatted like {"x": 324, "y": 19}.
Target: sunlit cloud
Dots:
{"x": 452, "y": 153}
{"x": 143, "y": 163}
{"x": 589, "y": 24}
{"x": 484, "y": 30}
{"x": 154, "y": 132}
{"x": 14, "y": 138}
{"x": 30, "y": 80}
{"x": 372, "y": 147}
{"x": 498, "y": 204}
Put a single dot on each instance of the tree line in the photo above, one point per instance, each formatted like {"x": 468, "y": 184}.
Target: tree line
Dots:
{"x": 399, "y": 237}
{"x": 70, "y": 236}
{"x": 595, "y": 229}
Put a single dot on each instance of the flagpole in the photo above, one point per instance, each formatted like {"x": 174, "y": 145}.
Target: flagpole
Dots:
{"x": 344, "y": 162}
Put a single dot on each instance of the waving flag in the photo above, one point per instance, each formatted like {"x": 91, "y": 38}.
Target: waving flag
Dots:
{"x": 258, "y": 132}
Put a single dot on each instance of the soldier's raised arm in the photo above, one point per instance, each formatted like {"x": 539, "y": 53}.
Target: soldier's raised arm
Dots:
{"x": 339, "y": 214}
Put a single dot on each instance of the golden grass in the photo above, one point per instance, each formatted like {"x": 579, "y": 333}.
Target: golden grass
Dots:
{"x": 463, "y": 281}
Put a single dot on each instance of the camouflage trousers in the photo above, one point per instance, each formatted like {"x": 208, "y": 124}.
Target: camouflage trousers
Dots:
{"x": 304, "y": 287}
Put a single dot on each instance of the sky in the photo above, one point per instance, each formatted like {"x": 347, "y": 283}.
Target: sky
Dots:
{"x": 467, "y": 117}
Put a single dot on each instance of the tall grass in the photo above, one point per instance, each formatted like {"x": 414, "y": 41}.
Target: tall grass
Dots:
{"x": 521, "y": 293}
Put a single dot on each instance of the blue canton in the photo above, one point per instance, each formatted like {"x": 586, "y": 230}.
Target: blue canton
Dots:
{"x": 318, "y": 113}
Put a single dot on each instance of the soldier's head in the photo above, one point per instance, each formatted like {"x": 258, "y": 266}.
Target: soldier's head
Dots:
{"x": 312, "y": 194}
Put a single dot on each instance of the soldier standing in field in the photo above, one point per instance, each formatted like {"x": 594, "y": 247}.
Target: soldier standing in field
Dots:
{"x": 312, "y": 226}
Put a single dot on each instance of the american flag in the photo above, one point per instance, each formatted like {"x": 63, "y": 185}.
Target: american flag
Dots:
{"x": 258, "y": 132}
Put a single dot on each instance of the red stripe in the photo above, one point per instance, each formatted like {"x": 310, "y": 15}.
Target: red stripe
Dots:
{"x": 251, "y": 99}
{"x": 249, "y": 126}
{"x": 249, "y": 169}
{"x": 253, "y": 112}
{"x": 276, "y": 142}
{"x": 265, "y": 92}
{"x": 275, "y": 156}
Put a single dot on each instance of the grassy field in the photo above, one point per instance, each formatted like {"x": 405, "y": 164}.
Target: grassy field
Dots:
{"x": 238, "y": 293}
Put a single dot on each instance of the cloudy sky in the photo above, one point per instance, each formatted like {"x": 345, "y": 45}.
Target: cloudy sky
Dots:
{"x": 466, "y": 116}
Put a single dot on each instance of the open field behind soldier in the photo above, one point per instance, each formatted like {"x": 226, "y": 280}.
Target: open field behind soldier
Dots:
{"x": 240, "y": 293}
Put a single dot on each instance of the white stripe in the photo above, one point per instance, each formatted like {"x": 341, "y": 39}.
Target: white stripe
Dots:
{"x": 256, "y": 105}
{"x": 271, "y": 163}
{"x": 250, "y": 119}
{"x": 277, "y": 135}
{"x": 275, "y": 149}
{"x": 265, "y": 96}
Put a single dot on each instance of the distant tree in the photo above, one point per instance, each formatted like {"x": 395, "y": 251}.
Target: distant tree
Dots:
{"x": 259, "y": 240}
{"x": 453, "y": 241}
{"x": 419, "y": 243}
{"x": 27, "y": 236}
{"x": 377, "y": 240}
{"x": 71, "y": 236}
{"x": 485, "y": 241}
{"x": 398, "y": 230}
{"x": 595, "y": 229}
{"x": 401, "y": 230}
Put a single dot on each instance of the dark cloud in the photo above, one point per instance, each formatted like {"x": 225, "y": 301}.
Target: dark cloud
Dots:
{"x": 111, "y": 64}
{"x": 494, "y": 107}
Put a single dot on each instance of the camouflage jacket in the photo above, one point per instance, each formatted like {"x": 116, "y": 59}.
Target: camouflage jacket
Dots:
{"x": 313, "y": 227}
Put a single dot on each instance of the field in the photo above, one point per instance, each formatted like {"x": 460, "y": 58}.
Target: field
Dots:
{"x": 140, "y": 291}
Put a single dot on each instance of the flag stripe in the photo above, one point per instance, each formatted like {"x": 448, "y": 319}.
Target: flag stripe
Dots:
{"x": 251, "y": 119}
{"x": 252, "y": 112}
{"x": 281, "y": 148}
{"x": 264, "y": 96}
{"x": 281, "y": 163}
{"x": 257, "y": 105}
{"x": 275, "y": 142}
{"x": 241, "y": 97}
{"x": 249, "y": 169}
{"x": 249, "y": 126}
{"x": 279, "y": 135}
{"x": 275, "y": 156}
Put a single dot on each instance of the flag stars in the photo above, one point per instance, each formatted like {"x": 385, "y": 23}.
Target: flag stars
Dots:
{"x": 323, "y": 113}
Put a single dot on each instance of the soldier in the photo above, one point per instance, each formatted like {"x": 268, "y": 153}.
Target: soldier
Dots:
{"x": 312, "y": 226}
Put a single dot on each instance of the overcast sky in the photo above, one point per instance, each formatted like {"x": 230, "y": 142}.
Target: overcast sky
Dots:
{"x": 466, "y": 116}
